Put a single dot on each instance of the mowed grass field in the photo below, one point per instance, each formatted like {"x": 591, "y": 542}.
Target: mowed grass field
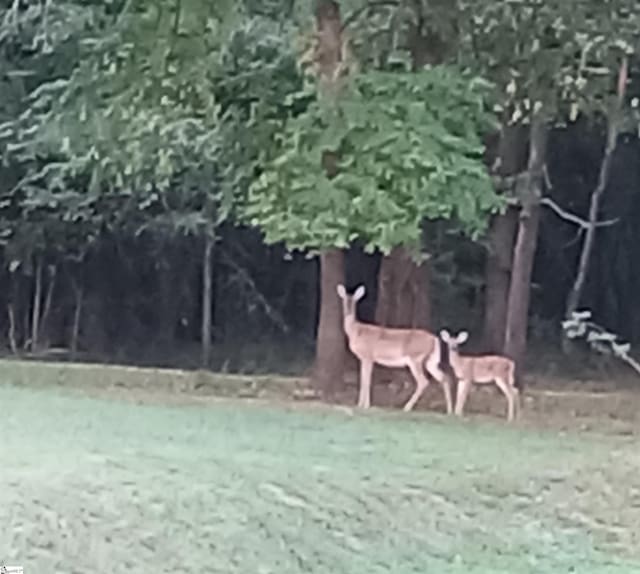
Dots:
{"x": 95, "y": 483}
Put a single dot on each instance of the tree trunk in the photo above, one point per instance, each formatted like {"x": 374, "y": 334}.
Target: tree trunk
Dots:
{"x": 207, "y": 294}
{"x": 35, "y": 311}
{"x": 403, "y": 292}
{"x": 14, "y": 309}
{"x": 403, "y": 285}
{"x": 498, "y": 279}
{"x": 12, "y": 329}
{"x": 331, "y": 341}
{"x": 78, "y": 292}
{"x": 331, "y": 344}
{"x": 613, "y": 129}
{"x": 511, "y": 161}
{"x": 526, "y": 242}
{"x": 48, "y": 301}
{"x": 329, "y": 48}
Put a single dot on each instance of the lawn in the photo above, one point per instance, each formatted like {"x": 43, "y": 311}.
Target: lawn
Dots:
{"x": 96, "y": 484}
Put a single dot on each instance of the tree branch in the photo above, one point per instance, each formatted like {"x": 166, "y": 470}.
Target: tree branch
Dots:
{"x": 368, "y": 6}
{"x": 273, "y": 314}
{"x": 567, "y": 216}
{"x": 511, "y": 184}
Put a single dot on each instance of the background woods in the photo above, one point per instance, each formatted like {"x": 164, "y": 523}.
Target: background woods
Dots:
{"x": 186, "y": 181}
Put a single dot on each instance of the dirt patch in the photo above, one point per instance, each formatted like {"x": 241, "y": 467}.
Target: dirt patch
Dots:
{"x": 557, "y": 404}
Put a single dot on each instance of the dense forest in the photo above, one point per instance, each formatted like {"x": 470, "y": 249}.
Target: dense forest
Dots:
{"x": 186, "y": 182}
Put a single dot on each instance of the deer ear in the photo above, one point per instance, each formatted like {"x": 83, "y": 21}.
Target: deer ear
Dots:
{"x": 359, "y": 293}
{"x": 444, "y": 335}
{"x": 462, "y": 337}
{"x": 342, "y": 293}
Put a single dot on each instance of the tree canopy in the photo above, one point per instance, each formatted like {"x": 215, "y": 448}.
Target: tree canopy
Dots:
{"x": 409, "y": 148}
{"x": 178, "y": 117}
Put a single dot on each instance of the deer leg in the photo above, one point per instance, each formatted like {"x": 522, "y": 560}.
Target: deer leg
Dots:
{"x": 421, "y": 384}
{"x": 436, "y": 372}
{"x": 508, "y": 392}
{"x": 464, "y": 386}
{"x": 518, "y": 400}
{"x": 366, "y": 368}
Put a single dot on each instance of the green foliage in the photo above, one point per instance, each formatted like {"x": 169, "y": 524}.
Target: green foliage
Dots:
{"x": 130, "y": 118}
{"x": 39, "y": 43}
{"x": 387, "y": 35}
{"x": 409, "y": 148}
{"x": 139, "y": 115}
{"x": 560, "y": 54}
{"x": 155, "y": 121}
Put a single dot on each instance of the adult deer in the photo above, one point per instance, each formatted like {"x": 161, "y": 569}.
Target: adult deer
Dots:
{"x": 480, "y": 369}
{"x": 413, "y": 348}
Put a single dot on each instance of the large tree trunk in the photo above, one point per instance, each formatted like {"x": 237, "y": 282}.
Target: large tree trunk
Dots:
{"x": 404, "y": 297}
{"x": 331, "y": 344}
{"x": 501, "y": 240}
{"x": 331, "y": 341}
{"x": 526, "y": 243}
{"x": 403, "y": 291}
{"x": 498, "y": 279}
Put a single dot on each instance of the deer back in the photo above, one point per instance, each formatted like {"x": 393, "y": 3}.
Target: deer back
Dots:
{"x": 391, "y": 347}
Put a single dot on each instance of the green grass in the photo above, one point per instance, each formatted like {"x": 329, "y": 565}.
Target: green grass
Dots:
{"x": 92, "y": 486}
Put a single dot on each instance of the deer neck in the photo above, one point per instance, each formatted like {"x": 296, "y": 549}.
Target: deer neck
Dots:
{"x": 456, "y": 361}
{"x": 349, "y": 324}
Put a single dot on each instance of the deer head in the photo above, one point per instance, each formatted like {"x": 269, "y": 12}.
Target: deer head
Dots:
{"x": 454, "y": 342}
{"x": 349, "y": 302}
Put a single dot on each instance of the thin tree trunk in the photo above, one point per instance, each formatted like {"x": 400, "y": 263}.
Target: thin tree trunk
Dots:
{"x": 511, "y": 160}
{"x": 12, "y": 329}
{"x": 77, "y": 318}
{"x": 48, "y": 300}
{"x": 525, "y": 248}
{"x": 331, "y": 341}
{"x": 207, "y": 294}
{"x": 35, "y": 312}
{"x": 613, "y": 129}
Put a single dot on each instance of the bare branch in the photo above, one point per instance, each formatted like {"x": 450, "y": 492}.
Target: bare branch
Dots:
{"x": 510, "y": 186}
{"x": 372, "y": 5}
{"x": 567, "y": 216}
{"x": 243, "y": 274}
{"x": 598, "y": 338}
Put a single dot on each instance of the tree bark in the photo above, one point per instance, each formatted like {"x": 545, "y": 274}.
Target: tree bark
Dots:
{"x": 331, "y": 344}
{"x": 404, "y": 297}
{"x": 511, "y": 160}
{"x": 498, "y": 279}
{"x": 526, "y": 243}
{"x": 12, "y": 329}
{"x": 403, "y": 291}
{"x": 207, "y": 298}
{"x": 35, "y": 311}
{"x": 613, "y": 129}
{"x": 78, "y": 292}
{"x": 48, "y": 301}
{"x": 331, "y": 341}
